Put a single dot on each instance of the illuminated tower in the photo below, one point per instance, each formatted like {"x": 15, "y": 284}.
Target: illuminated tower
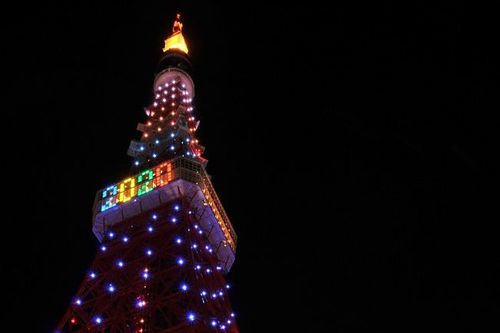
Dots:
{"x": 166, "y": 241}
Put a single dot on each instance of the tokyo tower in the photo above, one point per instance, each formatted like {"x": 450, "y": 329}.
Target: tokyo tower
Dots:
{"x": 166, "y": 242}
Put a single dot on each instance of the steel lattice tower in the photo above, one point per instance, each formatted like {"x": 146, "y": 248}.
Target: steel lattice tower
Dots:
{"x": 166, "y": 241}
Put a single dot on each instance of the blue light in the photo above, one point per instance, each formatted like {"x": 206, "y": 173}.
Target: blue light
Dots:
{"x": 191, "y": 316}
{"x": 78, "y": 301}
{"x": 154, "y": 216}
{"x": 213, "y": 323}
{"x": 157, "y": 141}
{"x": 218, "y": 268}
{"x": 228, "y": 321}
{"x": 103, "y": 248}
{"x": 92, "y": 275}
{"x": 180, "y": 261}
{"x": 111, "y": 235}
{"x": 172, "y": 135}
{"x": 174, "y": 220}
{"x": 142, "y": 148}
{"x": 178, "y": 240}
{"x": 228, "y": 286}
{"x": 221, "y": 293}
{"x": 172, "y": 148}
{"x": 203, "y": 293}
{"x": 150, "y": 228}
{"x": 200, "y": 232}
{"x": 111, "y": 288}
{"x": 145, "y": 275}
{"x": 223, "y": 327}
{"x": 208, "y": 270}
{"x": 97, "y": 319}
{"x": 194, "y": 246}
{"x": 154, "y": 155}
{"x": 120, "y": 263}
{"x": 196, "y": 226}
{"x": 136, "y": 163}
{"x": 214, "y": 295}
{"x": 197, "y": 267}
{"x": 125, "y": 239}
{"x": 232, "y": 314}
{"x": 149, "y": 252}
{"x": 184, "y": 287}
{"x": 176, "y": 208}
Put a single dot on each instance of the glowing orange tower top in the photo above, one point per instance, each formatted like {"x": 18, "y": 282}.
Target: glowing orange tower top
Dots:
{"x": 176, "y": 40}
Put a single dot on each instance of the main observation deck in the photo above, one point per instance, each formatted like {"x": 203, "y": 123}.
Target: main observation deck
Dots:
{"x": 161, "y": 184}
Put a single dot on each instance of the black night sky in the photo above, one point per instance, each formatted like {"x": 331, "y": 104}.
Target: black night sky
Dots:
{"x": 348, "y": 143}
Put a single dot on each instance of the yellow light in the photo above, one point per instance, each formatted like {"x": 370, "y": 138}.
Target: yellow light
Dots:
{"x": 176, "y": 40}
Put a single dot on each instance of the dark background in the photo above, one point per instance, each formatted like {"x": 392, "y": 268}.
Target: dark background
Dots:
{"x": 349, "y": 143}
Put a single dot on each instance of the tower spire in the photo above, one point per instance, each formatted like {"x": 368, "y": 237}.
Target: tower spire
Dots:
{"x": 176, "y": 39}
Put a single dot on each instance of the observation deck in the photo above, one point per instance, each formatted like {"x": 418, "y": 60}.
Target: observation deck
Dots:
{"x": 161, "y": 184}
